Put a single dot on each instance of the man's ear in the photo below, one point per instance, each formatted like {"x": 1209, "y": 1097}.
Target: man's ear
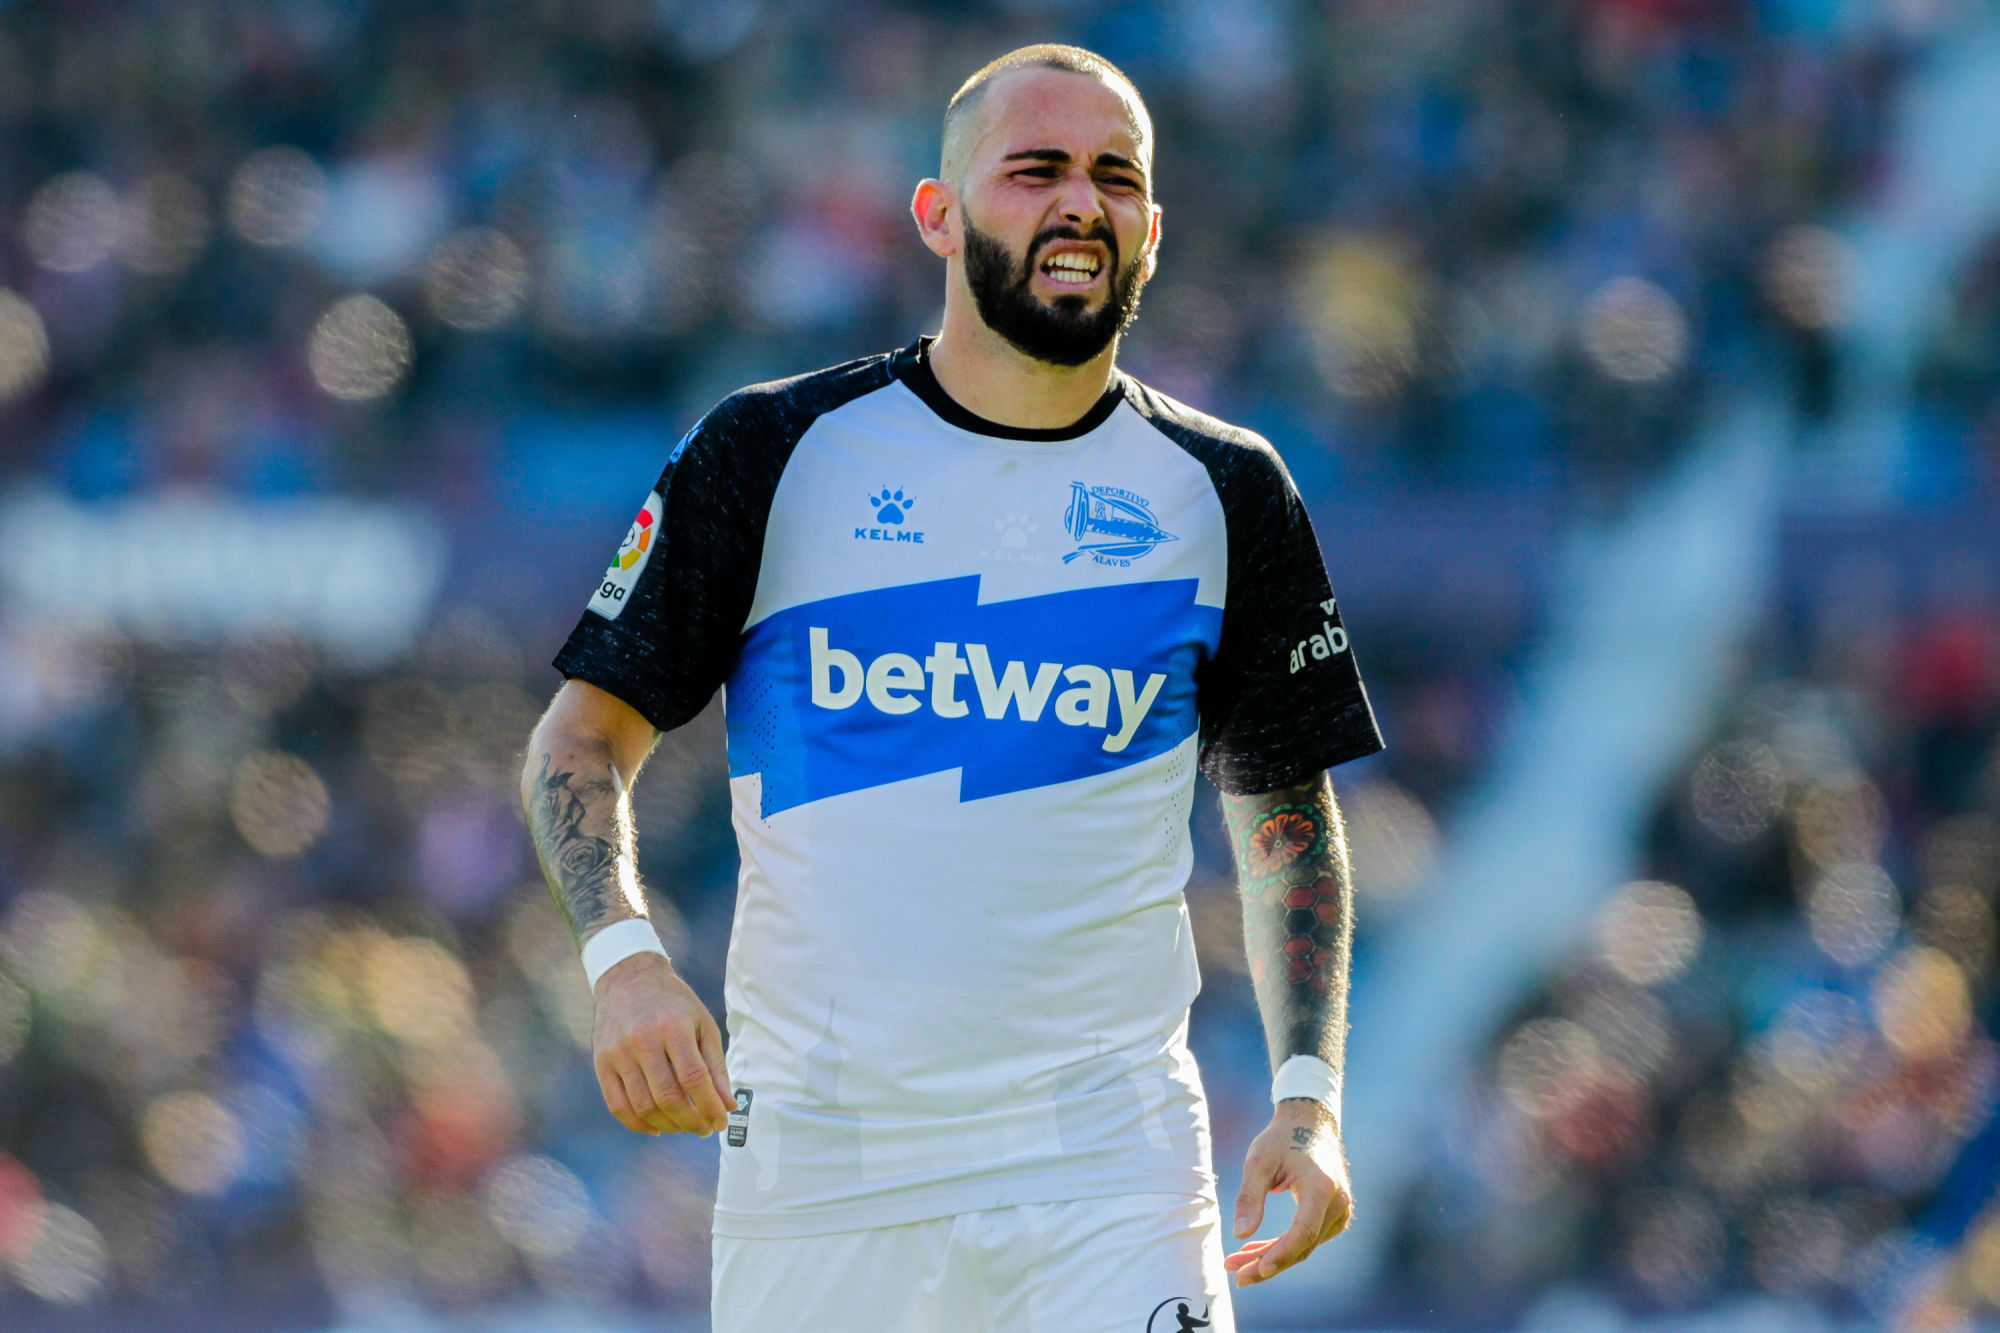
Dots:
{"x": 1153, "y": 244}
{"x": 935, "y": 207}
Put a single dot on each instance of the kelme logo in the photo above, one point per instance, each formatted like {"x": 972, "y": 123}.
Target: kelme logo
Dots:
{"x": 892, "y": 510}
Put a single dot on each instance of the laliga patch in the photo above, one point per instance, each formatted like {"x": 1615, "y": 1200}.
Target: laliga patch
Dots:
{"x": 739, "y": 1119}
{"x": 630, "y": 562}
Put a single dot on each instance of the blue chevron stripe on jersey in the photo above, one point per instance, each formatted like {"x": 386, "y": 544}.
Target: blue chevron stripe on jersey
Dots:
{"x": 875, "y": 687}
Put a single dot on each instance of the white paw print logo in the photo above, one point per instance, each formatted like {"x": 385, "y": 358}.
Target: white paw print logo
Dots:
{"x": 1014, "y": 530}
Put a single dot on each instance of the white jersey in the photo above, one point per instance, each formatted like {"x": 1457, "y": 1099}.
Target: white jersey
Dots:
{"x": 968, "y": 674}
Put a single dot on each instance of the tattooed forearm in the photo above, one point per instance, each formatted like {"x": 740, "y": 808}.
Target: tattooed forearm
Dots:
{"x": 1298, "y": 915}
{"x": 593, "y": 877}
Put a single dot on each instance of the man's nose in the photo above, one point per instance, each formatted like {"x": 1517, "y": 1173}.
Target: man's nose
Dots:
{"x": 1079, "y": 201}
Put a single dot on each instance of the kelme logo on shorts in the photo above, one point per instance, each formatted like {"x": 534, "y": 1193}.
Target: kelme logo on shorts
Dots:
{"x": 630, "y": 562}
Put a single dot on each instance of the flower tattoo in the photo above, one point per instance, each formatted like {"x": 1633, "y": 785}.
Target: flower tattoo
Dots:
{"x": 1287, "y": 834}
{"x": 1292, "y": 867}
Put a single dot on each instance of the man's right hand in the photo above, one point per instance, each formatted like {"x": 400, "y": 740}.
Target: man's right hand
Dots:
{"x": 658, "y": 1052}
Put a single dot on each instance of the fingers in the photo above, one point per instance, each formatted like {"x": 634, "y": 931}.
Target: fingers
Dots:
{"x": 1247, "y": 1255}
{"x": 663, "y": 1090}
{"x": 670, "y": 1089}
{"x": 1259, "y": 1175}
{"x": 659, "y": 1057}
{"x": 612, "y": 1084}
{"x": 1295, "y": 1244}
{"x": 709, "y": 1038}
{"x": 660, "y": 1119}
{"x": 1309, "y": 1227}
{"x": 696, "y": 1082}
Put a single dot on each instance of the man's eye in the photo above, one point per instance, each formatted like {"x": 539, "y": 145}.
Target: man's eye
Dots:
{"x": 1046, "y": 173}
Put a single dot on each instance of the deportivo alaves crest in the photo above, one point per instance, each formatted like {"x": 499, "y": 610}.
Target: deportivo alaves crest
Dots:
{"x": 894, "y": 683}
{"x": 1111, "y": 526}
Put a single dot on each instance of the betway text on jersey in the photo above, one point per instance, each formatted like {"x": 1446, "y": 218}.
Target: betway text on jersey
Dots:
{"x": 875, "y": 687}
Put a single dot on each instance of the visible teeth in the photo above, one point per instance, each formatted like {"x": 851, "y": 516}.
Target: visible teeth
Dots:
{"x": 1079, "y": 265}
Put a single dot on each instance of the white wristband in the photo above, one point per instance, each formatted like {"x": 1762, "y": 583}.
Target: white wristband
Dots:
{"x": 1309, "y": 1077}
{"x": 617, "y": 942}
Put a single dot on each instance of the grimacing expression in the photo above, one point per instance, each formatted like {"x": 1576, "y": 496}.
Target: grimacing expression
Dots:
{"x": 1064, "y": 331}
{"x": 1055, "y": 210}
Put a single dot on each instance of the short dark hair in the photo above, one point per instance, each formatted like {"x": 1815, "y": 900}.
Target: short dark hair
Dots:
{"x": 1042, "y": 55}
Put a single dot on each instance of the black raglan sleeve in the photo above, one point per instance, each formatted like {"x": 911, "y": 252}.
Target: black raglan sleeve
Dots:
{"x": 1282, "y": 697}
{"x": 661, "y": 628}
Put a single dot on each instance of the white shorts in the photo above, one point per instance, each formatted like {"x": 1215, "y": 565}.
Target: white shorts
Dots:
{"x": 1134, "y": 1263}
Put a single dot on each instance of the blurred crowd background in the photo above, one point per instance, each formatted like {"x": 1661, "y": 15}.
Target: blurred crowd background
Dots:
{"x": 339, "y": 341}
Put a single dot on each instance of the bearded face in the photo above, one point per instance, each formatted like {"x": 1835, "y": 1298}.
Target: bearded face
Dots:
{"x": 1062, "y": 330}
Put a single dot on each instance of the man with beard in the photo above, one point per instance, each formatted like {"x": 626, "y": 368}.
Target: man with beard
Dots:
{"x": 979, "y": 608}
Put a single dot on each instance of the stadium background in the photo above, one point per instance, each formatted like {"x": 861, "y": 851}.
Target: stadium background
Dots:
{"x": 1637, "y": 357}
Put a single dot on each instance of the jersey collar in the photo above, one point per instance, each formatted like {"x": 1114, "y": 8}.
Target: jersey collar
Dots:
{"x": 912, "y": 365}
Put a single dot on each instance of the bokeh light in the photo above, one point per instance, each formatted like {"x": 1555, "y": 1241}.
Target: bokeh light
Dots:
{"x": 280, "y": 805}
{"x": 538, "y": 1204}
{"x": 460, "y": 1255}
{"x": 277, "y": 197}
{"x": 1959, "y": 922}
{"x": 1853, "y": 911}
{"x": 1839, "y": 821}
{"x": 192, "y": 1142}
{"x": 51, "y": 942}
{"x": 166, "y": 225}
{"x": 24, "y": 346}
{"x": 1360, "y": 298}
{"x": 1982, "y": 1258}
{"x": 1649, "y": 932}
{"x": 359, "y": 348}
{"x": 72, "y": 222}
{"x": 1808, "y": 276}
{"x": 1392, "y": 840}
{"x": 1546, "y": 1067}
{"x": 476, "y": 279}
{"x": 20, "y": 1210}
{"x": 1737, "y": 790}
{"x": 1633, "y": 330}
{"x": 416, "y": 989}
{"x": 1922, "y": 1003}
{"x": 545, "y": 952}
{"x": 1821, "y": 1036}
{"x": 67, "y": 1261}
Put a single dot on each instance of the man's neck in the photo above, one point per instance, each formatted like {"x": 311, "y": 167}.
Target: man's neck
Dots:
{"x": 991, "y": 378}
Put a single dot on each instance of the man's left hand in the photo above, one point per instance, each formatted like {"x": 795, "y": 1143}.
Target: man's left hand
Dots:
{"x": 1299, "y": 1151}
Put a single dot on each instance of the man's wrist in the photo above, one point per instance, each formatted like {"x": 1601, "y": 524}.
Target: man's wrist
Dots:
{"x": 613, "y": 944}
{"x": 1308, "y": 1079}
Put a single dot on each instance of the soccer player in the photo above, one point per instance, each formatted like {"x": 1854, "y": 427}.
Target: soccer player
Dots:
{"x": 978, "y": 608}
